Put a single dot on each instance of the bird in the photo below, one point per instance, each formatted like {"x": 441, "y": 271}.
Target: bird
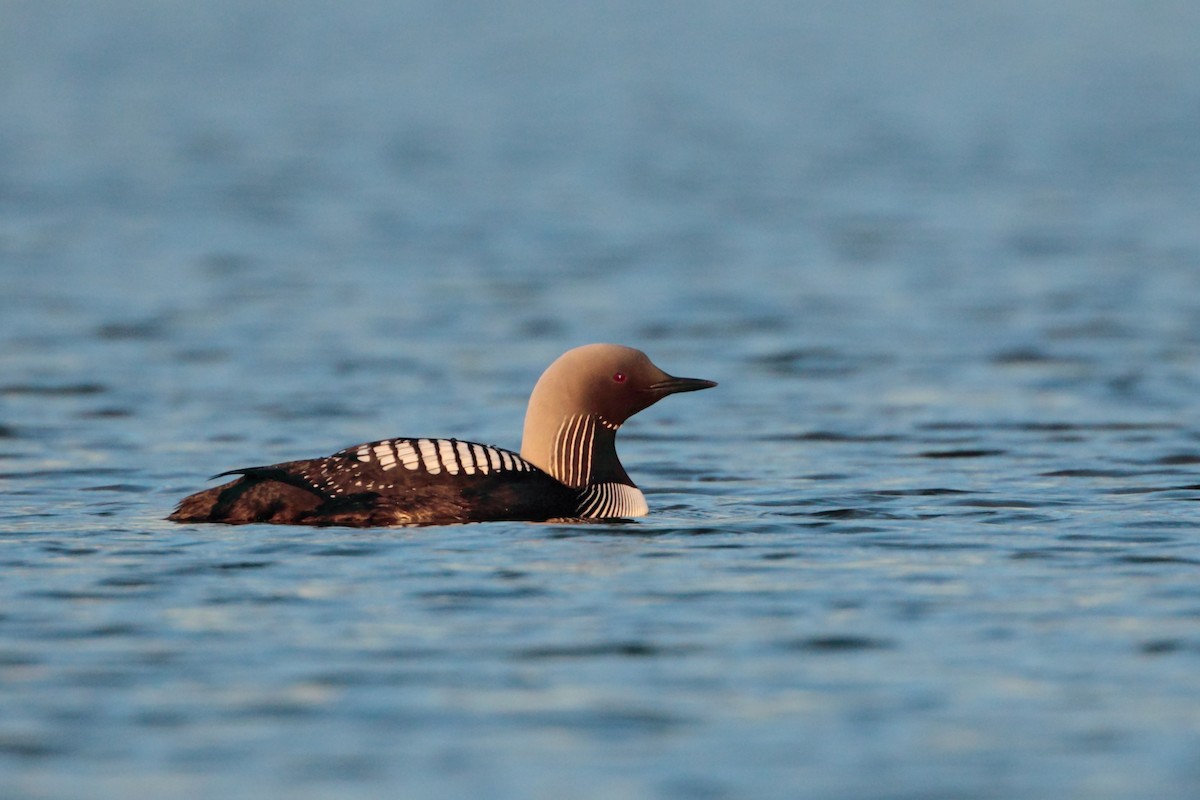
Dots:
{"x": 567, "y": 468}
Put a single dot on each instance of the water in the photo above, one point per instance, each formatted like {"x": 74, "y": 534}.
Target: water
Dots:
{"x": 933, "y": 536}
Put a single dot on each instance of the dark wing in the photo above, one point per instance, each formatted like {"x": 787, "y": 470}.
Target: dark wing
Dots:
{"x": 385, "y": 483}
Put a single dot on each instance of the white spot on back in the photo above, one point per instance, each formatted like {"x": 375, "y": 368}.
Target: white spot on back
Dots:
{"x": 429, "y": 456}
{"x": 364, "y": 453}
{"x": 479, "y": 456}
{"x": 383, "y": 452}
{"x": 408, "y": 455}
{"x": 464, "y": 457}
{"x": 446, "y": 448}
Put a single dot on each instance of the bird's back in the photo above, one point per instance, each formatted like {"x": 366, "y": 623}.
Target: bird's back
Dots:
{"x": 389, "y": 482}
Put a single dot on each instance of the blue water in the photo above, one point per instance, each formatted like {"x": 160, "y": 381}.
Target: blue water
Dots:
{"x": 934, "y": 535}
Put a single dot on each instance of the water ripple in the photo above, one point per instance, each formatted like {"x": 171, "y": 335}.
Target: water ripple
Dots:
{"x": 932, "y": 536}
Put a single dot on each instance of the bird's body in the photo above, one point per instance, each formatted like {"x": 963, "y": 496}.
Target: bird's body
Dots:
{"x": 567, "y": 468}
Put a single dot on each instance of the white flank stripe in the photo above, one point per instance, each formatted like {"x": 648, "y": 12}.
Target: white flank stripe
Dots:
{"x": 408, "y": 456}
{"x": 507, "y": 459}
{"x": 429, "y": 456}
{"x": 493, "y": 457}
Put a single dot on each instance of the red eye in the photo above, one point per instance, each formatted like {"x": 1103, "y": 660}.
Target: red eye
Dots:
{"x": 619, "y": 377}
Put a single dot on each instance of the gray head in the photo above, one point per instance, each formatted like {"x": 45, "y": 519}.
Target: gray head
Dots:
{"x": 604, "y": 384}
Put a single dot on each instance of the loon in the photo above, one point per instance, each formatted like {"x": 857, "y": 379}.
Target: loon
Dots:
{"x": 567, "y": 468}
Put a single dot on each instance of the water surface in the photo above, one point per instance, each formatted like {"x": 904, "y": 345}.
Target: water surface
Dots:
{"x": 934, "y": 535}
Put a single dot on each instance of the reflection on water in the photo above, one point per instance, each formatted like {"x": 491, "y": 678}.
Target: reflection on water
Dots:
{"x": 931, "y": 537}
